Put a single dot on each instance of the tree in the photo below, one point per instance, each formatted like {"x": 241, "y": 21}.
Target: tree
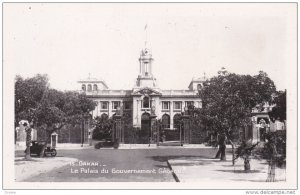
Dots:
{"x": 48, "y": 108}
{"x": 279, "y": 110}
{"x": 228, "y": 100}
{"x": 104, "y": 127}
{"x": 28, "y": 93}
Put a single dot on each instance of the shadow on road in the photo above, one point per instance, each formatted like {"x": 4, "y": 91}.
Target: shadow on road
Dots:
{"x": 166, "y": 158}
{"x": 240, "y": 171}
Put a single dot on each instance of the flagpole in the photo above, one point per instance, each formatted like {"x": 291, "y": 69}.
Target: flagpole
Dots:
{"x": 146, "y": 26}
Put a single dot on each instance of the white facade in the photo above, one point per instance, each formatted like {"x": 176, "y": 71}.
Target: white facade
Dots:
{"x": 143, "y": 96}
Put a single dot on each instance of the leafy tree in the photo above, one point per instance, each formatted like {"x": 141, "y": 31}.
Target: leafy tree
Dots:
{"x": 279, "y": 110}
{"x": 228, "y": 100}
{"x": 28, "y": 93}
{"x": 48, "y": 108}
{"x": 103, "y": 127}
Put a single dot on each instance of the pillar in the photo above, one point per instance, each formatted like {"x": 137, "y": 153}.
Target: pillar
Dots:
{"x": 139, "y": 114}
{"x": 109, "y": 109}
{"x": 171, "y": 114}
{"x": 154, "y": 130}
{"x": 90, "y": 135}
{"x": 186, "y": 127}
{"x": 28, "y": 142}
{"x": 54, "y": 142}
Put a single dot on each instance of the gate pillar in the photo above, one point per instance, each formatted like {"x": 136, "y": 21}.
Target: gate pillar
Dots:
{"x": 118, "y": 132}
{"x": 154, "y": 130}
{"x": 186, "y": 127}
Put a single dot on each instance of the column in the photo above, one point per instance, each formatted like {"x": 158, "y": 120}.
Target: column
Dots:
{"x": 143, "y": 68}
{"x": 139, "y": 112}
{"x": 150, "y": 68}
{"x": 186, "y": 129}
{"x": 134, "y": 112}
{"x": 98, "y": 109}
{"x": 157, "y": 107}
{"x": 121, "y": 105}
{"x": 171, "y": 114}
{"x": 109, "y": 108}
{"x": 140, "y": 67}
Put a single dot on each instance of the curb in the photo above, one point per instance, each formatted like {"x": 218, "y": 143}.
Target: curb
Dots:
{"x": 174, "y": 174}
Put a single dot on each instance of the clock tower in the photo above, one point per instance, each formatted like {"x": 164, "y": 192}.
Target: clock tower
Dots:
{"x": 145, "y": 78}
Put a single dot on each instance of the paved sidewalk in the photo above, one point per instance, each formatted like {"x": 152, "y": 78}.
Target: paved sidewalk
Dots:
{"x": 154, "y": 146}
{"x": 197, "y": 169}
{"x": 25, "y": 169}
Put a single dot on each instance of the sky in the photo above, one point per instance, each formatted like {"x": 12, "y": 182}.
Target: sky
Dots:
{"x": 70, "y": 41}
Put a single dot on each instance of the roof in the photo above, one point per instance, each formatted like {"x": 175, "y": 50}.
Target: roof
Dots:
{"x": 93, "y": 80}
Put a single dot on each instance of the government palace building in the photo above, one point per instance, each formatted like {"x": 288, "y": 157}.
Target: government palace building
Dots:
{"x": 144, "y": 96}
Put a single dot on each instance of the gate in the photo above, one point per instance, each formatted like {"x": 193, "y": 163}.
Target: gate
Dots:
{"x": 118, "y": 130}
{"x": 170, "y": 137}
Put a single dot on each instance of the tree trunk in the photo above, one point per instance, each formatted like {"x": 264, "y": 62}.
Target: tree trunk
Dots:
{"x": 27, "y": 153}
{"x": 223, "y": 153}
{"x": 247, "y": 165}
{"x": 233, "y": 154}
{"x": 218, "y": 153}
{"x": 28, "y": 142}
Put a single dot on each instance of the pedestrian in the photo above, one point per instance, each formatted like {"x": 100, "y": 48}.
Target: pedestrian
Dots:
{"x": 222, "y": 147}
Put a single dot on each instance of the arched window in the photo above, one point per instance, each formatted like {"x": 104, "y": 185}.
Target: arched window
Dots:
{"x": 83, "y": 87}
{"x": 89, "y": 87}
{"x": 176, "y": 120}
{"x": 199, "y": 86}
{"x": 165, "y": 119}
{"x": 146, "y": 102}
{"x": 95, "y": 87}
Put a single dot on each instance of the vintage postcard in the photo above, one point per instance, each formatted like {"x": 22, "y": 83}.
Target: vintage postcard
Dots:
{"x": 150, "y": 96}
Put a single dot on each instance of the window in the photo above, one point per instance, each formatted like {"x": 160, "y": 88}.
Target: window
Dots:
{"x": 115, "y": 105}
{"x": 146, "y": 69}
{"x": 165, "y": 105}
{"x": 127, "y": 105}
{"x": 89, "y": 87}
{"x": 176, "y": 121}
{"x": 146, "y": 102}
{"x": 199, "y": 86}
{"x": 189, "y": 103}
{"x": 83, "y": 87}
{"x": 177, "y": 105}
{"x": 104, "y": 105}
{"x": 165, "y": 119}
{"x": 95, "y": 88}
